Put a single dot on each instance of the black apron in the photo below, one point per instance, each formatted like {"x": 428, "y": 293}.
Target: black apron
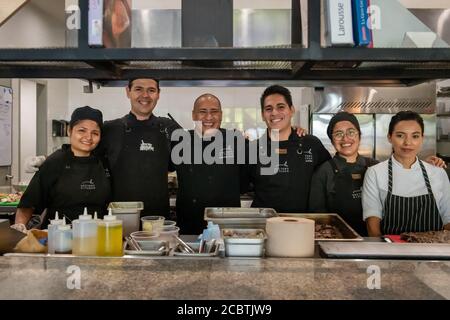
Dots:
{"x": 410, "y": 214}
{"x": 288, "y": 189}
{"x": 83, "y": 182}
{"x": 345, "y": 198}
{"x": 140, "y": 173}
{"x": 206, "y": 185}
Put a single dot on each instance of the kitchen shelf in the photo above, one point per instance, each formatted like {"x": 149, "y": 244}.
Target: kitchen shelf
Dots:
{"x": 384, "y": 66}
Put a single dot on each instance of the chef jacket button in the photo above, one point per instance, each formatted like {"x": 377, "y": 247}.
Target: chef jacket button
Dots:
{"x": 194, "y": 200}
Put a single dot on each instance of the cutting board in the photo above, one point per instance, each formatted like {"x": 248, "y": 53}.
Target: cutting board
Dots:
{"x": 9, "y": 204}
{"x": 383, "y": 250}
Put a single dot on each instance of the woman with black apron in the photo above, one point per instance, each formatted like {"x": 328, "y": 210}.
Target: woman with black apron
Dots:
{"x": 336, "y": 185}
{"x": 71, "y": 178}
{"x": 404, "y": 194}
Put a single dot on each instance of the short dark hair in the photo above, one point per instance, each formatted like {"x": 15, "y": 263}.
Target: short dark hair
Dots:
{"x": 130, "y": 82}
{"x": 276, "y": 89}
{"x": 406, "y": 116}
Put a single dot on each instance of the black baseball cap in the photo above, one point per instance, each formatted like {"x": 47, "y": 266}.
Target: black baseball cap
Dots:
{"x": 86, "y": 113}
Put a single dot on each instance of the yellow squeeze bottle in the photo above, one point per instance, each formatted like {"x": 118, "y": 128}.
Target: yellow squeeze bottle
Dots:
{"x": 110, "y": 236}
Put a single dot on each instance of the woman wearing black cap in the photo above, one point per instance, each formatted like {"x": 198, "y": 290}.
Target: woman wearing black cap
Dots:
{"x": 336, "y": 185}
{"x": 72, "y": 177}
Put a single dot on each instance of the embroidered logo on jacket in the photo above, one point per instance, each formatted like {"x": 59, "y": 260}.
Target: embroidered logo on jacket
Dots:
{"x": 88, "y": 185}
{"x": 282, "y": 168}
{"x": 145, "y": 146}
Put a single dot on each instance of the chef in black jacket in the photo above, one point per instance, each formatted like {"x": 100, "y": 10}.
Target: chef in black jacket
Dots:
{"x": 71, "y": 178}
{"x": 287, "y": 188}
{"x": 138, "y": 150}
{"x": 202, "y": 183}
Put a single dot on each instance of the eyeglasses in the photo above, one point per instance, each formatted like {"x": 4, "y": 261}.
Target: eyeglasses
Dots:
{"x": 351, "y": 133}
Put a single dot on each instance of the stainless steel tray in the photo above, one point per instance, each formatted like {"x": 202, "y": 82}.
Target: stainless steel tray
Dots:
{"x": 239, "y": 217}
{"x": 332, "y": 219}
{"x": 196, "y": 246}
{"x": 151, "y": 249}
{"x": 379, "y": 250}
{"x": 245, "y": 246}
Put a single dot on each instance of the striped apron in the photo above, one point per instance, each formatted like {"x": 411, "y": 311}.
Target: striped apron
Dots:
{"x": 410, "y": 214}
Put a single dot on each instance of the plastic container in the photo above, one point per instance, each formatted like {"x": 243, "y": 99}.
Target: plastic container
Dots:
{"x": 152, "y": 223}
{"x": 109, "y": 235}
{"x": 244, "y": 242}
{"x": 63, "y": 238}
{"x": 168, "y": 233}
{"x": 169, "y": 223}
{"x": 51, "y": 232}
{"x": 84, "y": 235}
{"x": 129, "y": 213}
{"x": 145, "y": 239}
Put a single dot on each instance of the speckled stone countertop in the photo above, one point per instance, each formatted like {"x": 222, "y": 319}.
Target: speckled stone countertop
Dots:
{"x": 181, "y": 278}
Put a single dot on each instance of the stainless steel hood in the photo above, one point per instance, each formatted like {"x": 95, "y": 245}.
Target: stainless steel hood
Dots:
{"x": 420, "y": 98}
{"x": 374, "y": 107}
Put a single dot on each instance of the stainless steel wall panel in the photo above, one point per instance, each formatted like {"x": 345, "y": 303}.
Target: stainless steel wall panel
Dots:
{"x": 154, "y": 28}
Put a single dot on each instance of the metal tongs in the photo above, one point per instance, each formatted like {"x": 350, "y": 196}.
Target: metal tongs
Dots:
{"x": 133, "y": 244}
{"x": 184, "y": 246}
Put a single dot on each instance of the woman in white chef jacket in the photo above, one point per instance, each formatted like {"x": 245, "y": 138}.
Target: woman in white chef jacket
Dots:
{"x": 404, "y": 194}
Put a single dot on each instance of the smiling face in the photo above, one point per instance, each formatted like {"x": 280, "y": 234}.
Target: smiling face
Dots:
{"x": 143, "y": 95}
{"x": 277, "y": 114}
{"x": 346, "y": 139}
{"x": 208, "y": 113}
{"x": 406, "y": 139}
{"x": 84, "y": 137}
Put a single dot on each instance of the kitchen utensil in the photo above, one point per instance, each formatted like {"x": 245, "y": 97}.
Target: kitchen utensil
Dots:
{"x": 184, "y": 245}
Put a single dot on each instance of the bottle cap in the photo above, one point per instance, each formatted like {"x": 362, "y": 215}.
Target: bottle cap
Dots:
{"x": 57, "y": 220}
{"x": 64, "y": 226}
{"x": 95, "y": 215}
{"x": 85, "y": 215}
{"x": 110, "y": 216}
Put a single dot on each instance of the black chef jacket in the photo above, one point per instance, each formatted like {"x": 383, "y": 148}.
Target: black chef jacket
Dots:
{"x": 202, "y": 185}
{"x": 288, "y": 189}
{"x": 139, "y": 156}
{"x": 68, "y": 184}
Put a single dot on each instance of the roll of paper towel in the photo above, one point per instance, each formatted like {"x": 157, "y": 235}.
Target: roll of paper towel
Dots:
{"x": 290, "y": 237}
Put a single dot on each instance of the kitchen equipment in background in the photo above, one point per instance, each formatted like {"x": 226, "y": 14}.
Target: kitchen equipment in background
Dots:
{"x": 290, "y": 237}
{"x": 129, "y": 213}
{"x": 374, "y": 107}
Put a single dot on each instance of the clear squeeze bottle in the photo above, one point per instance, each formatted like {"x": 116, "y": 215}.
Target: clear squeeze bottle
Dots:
{"x": 51, "y": 232}
{"x": 84, "y": 235}
{"x": 63, "y": 238}
{"x": 110, "y": 236}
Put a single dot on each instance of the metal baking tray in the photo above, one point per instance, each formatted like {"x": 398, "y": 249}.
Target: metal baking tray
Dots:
{"x": 196, "y": 246}
{"x": 244, "y": 246}
{"x": 152, "y": 247}
{"x": 383, "y": 250}
{"x": 332, "y": 219}
{"x": 239, "y": 217}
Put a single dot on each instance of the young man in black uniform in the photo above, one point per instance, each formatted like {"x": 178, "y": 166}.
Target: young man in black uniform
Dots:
{"x": 138, "y": 149}
{"x": 286, "y": 189}
{"x": 203, "y": 183}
